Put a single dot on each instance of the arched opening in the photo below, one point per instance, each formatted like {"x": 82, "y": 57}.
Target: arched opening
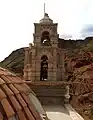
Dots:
{"x": 45, "y": 39}
{"x": 44, "y": 68}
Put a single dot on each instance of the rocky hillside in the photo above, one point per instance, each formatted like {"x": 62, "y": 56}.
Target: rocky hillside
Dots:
{"x": 79, "y": 70}
{"x": 15, "y": 61}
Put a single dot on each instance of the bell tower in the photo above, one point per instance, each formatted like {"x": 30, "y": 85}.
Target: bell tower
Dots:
{"x": 42, "y": 56}
{"x": 44, "y": 63}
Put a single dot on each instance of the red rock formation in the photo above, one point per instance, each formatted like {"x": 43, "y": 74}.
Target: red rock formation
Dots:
{"x": 80, "y": 72}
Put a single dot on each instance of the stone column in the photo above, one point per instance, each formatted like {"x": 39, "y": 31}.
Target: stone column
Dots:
{"x": 33, "y": 70}
{"x": 54, "y": 63}
{"x": 29, "y": 58}
{"x": 49, "y": 71}
{"x": 38, "y": 69}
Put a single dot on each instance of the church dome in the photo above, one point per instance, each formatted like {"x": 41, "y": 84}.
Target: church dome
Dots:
{"x": 46, "y": 19}
{"x": 16, "y": 99}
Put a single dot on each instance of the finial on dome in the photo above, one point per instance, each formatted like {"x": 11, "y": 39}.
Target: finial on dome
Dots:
{"x": 46, "y": 15}
{"x": 46, "y": 18}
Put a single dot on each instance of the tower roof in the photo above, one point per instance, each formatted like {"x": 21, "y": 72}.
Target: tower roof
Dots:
{"x": 46, "y": 19}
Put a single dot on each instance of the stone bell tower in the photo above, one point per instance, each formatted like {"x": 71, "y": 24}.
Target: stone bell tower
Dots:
{"x": 44, "y": 63}
{"x": 46, "y": 43}
{"x": 43, "y": 60}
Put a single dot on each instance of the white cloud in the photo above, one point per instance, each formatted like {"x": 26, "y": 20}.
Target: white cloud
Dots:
{"x": 17, "y": 18}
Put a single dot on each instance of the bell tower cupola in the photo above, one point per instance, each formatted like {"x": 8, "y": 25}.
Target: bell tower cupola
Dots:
{"x": 45, "y": 32}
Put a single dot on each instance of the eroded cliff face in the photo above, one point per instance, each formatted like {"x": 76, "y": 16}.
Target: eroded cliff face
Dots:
{"x": 14, "y": 62}
{"x": 79, "y": 71}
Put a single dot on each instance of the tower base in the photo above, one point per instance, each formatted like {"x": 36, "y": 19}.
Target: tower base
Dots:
{"x": 49, "y": 92}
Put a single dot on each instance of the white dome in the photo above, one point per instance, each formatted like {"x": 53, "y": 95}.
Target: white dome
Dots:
{"x": 46, "y": 19}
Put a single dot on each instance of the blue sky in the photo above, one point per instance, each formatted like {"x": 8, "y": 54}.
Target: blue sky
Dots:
{"x": 74, "y": 18}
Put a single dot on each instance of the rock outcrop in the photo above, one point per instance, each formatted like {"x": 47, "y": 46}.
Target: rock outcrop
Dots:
{"x": 15, "y": 61}
{"x": 79, "y": 71}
